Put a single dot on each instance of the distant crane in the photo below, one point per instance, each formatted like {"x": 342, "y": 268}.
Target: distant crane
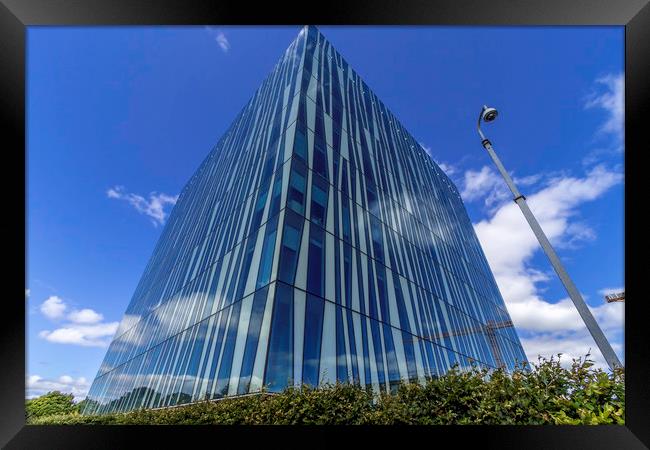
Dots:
{"x": 617, "y": 297}
{"x": 491, "y": 336}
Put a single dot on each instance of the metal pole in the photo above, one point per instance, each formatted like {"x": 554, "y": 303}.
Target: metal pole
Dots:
{"x": 581, "y": 306}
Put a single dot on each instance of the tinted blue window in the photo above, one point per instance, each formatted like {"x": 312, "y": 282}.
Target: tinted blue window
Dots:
{"x": 296, "y": 195}
{"x": 320, "y": 162}
{"x": 223, "y": 379}
{"x": 341, "y": 360}
{"x": 259, "y": 209}
{"x": 319, "y": 190}
{"x": 316, "y": 267}
{"x": 254, "y": 325}
{"x": 352, "y": 338}
{"x": 314, "y": 310}
{"x": 379, "y": 351}
{"x": 289, "y": 248}
{"x": 277, "y": 193}
{"x": 212, "y": 379}
{"x": 344, "y": 179}
{"x": 381, "y": 293}
{"x": 372, "y": 299}
{"x": 391, "y": 357}
{"x": 377, "y": 238}
{"x": 246, "y": 265}
{"x": 268, "y": 163}
{"x": 211, "y": 335}
{"x": 345, "y": 212}
{"x": 320, "y": 154}
{"x": 266, "y": 259}
{"x": 279, "y": 366}
{"x": 184, "y": 345}
{"x": 300, "y": 144}
{"x": 193, "y": 364}
{"x": 347, "y": 272}
{"x": 401, "y": 306}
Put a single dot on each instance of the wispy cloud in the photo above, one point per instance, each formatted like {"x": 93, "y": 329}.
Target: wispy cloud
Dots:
{"x": 447, "y": 168}
{"x": 483, "y": 184}
{"x": 154, "y": 207}
{"x": 37, "y": 386}
{"x": 220, "y": 37}
{"x": 609, "y": 96}
{"x": 223, "y": 42}
{"x": 510, "y": 245}
{"x": 487, "y": 185}
{"x": 608, "y": 291}
{"x": 84, "y": 327}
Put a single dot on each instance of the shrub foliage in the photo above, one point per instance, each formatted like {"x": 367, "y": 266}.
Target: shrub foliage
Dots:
{"x": 52, "y": 403}
{"x": 545, "y": 393}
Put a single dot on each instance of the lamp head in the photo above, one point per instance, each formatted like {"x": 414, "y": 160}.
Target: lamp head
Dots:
{"x": 489, "y": 114}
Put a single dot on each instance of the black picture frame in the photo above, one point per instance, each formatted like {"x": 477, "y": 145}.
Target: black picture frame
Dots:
{"x": 16, "y": 15}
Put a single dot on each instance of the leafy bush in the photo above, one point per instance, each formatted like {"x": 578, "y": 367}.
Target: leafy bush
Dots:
{"x": 545, "y": 394}
{"x": 52, "y": 403}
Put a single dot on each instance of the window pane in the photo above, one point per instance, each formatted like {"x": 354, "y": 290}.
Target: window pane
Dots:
{"x": 313, "y": 330}
{"x": 300, "y": 144}
{"x": 319, "y": 192}
{"x": 277, "y": 193}
{"x": 257, "y": 312}
{"x": 289, "y": 249}
{"x": 297, "y": 182}
{"x": 266, "y": 260}
{"x": 279, "y": 368}
{"x": 223, "y": 379}
{"x": 316, "y": 267}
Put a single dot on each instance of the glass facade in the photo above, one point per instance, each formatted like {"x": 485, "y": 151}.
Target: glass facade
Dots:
{"x": 317, "y": 242}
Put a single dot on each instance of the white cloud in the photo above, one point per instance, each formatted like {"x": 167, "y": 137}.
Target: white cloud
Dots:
{"x": 223, "y": 41}
{"x": 37, "y": 386}
{"x": 476, "y": 182}
{"x": 26, "y": 293}
{"x": 612, "y": 101}
{"x": 85, "y": 315}
{"x": 571, "y": 345}
{"x": 154, "y": 208}
{"x": 535, "y": 314}
{"x": 608, "y": 291}
{"x": 85, "y": 325}
{"x": 576, "y": 233}
{"x": 509, "y": 245}
{"x": 527, "y": 181}
{"x": 115, "y": 192}
{"x": 427, "y": 149}
{"x": 448, "y": 169}
{"x": 488, "y": 185}
{"x": 597, "y": 155}
{"x": 95, "y": 335}
{"x": 53, "y": 307}
{"x": 219, "y": 37}
{"x": 484, "y": 184}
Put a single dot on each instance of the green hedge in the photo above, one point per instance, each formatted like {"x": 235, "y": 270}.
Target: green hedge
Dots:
{"x": 543, "y": 394}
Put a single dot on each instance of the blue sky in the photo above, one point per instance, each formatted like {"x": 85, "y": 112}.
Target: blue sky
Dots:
{"x": 119, "y": 118}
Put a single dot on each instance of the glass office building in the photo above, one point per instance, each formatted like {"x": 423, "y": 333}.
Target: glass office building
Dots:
{"x": 317, "y": 242}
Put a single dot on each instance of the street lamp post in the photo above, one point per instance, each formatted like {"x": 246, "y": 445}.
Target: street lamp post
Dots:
{"x": 488, "y": 115}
